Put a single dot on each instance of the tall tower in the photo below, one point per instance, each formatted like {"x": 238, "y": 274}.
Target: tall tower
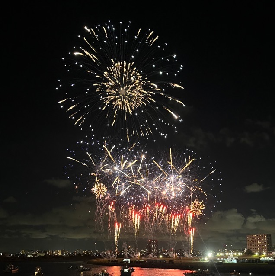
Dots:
{"x": 152, "y": 247}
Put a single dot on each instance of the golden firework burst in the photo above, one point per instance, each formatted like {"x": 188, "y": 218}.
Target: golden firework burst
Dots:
{"x": 197, "y": 207}
{"x": 121, "y": 77}
{"x": 99, "y": 190}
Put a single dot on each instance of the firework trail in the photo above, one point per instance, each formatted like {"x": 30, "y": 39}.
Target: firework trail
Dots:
{"x": 121, "y": 79}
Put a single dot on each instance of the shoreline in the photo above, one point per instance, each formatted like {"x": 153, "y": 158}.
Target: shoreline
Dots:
{"x": 182, "y": 264}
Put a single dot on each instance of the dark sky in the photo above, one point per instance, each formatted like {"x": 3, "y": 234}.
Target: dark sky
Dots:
{"x": 227, "y": 50}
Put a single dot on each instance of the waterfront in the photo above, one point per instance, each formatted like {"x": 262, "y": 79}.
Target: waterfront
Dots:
{"x": 61, "y": 269}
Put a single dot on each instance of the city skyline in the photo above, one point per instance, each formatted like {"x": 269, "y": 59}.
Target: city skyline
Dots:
{"x": 227, "y": 56}
{"x": 257, "y": 245}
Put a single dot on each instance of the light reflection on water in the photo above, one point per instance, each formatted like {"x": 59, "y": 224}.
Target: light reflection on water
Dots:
{"x": 115, "y": 271}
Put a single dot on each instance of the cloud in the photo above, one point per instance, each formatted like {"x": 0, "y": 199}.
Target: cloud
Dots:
{"x": 226, "y": 136}
{"x": 255, "y": 139}
{"x": 256, "y": 224}
{"x": 254, "y": 221}
{"x": 232, "y": 227}
{"x": 254, "y": 188}
{"x": 77, "y": 215}
{"x": 75, "y": 221}
{"x": 10, "y": 199}
{"x": 90, "y": 200}
{"x": 3, "y": 213}
{"x": 222, "y": 228}
{"x": 253, "y": 134}
{"x": 59, "y": 183}
{"x": 264, "y": 124}
{"x": 226, "y": 221}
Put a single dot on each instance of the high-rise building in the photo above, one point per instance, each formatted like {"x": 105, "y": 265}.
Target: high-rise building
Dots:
{"x": 259, "y": 243}
{"x": 152, "y": 247}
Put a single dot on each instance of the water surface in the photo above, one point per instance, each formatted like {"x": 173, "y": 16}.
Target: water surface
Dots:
{"x": 26, "y": 268}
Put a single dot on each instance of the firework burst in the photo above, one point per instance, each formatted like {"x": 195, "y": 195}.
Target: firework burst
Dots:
{"x": 117, "y": 176}
{"x": 121, "y": 79}
{"x": 147, "y": 194}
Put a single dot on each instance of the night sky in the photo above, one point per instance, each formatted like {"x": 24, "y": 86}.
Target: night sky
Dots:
{"x": 227, "y": 50}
